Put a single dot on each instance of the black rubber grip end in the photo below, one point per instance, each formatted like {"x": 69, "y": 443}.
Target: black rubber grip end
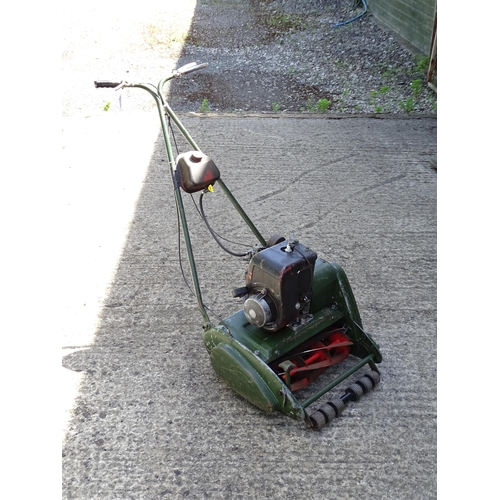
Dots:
{"x": 102, "y": 84}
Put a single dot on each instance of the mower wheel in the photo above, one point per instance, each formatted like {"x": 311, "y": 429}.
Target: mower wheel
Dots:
{"x": 356, "y": 391}
{"x": 374, "y": 377}
{"x": 328, "y": 411}
{"x": 366, "y": 384}
{"x": 338, "y": 405}
{"x": 318, "y": 420}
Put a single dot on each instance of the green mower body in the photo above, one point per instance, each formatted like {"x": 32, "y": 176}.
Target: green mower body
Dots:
{"x": 258, "y": 364}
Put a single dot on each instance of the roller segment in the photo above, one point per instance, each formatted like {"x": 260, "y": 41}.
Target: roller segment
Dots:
{"x": 332, "y": 409}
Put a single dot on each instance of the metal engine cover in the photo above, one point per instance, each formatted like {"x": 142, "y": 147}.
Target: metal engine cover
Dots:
{"x": 279, "y": 280}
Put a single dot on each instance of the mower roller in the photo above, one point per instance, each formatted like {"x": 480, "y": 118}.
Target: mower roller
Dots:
{"x": 299, "y": 315}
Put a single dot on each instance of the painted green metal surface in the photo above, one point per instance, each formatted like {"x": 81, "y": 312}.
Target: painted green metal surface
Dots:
{"x": 270, "y": 346}
{"x": 248, "y": 375}
{"x": 331, "y": 288}
{"x": 232, "y": 367}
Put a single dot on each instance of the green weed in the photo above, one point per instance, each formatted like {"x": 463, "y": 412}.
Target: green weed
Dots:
{"x": 323, "y": 105}
{"x": 310, "y": 104}
{"x": 378, "y": 93}
{"x": 205, "y": 107}
{"x": 388, "y": 72}
{"x": 320, "y": 106}
{"x": 416, "y": 87}
{"x": 408, "y": 105}
{"x": 422, "y": 64}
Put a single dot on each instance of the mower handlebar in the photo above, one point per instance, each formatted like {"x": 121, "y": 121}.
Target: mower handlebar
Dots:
{"x": 183, "y": 70}
{"x": 189, "y": 68}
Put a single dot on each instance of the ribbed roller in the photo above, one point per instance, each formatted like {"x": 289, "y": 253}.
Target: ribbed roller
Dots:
{"x": 356, "y": 391}
{"x": 318, "y": 420}
{"x": 374, "y": 376}
{"x": 338, "y": 405}
{"x": 366, "y": 383}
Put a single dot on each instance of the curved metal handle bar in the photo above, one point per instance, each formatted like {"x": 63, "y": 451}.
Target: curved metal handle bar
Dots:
{"x": 165, "y": 110}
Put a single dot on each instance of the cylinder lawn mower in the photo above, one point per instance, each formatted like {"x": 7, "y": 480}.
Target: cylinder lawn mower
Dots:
{"x": 299, "y": 314}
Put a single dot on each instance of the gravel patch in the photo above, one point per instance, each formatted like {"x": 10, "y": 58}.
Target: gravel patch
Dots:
{"x": 264, "y": 56}
{"x": 289, "y": 56}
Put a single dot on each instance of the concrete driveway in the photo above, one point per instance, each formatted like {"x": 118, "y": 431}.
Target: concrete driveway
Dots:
{"x": 146, "y": 416}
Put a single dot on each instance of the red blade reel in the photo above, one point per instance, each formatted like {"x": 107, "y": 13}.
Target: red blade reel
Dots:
{"x": 317, "y": 358}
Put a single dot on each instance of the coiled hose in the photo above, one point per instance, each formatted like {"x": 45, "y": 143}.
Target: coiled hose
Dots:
{"x": 354, "y": 18}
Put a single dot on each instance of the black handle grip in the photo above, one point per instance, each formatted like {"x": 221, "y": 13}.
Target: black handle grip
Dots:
{"x": 102, "y": 84}
{"x": 189, "y": 68}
